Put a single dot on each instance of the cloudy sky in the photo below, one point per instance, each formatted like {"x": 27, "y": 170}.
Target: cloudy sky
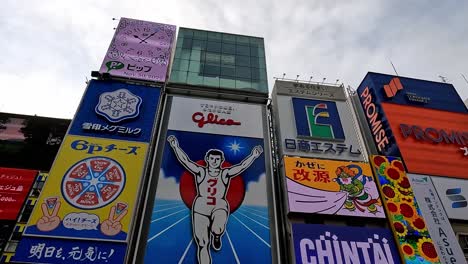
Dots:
{"x": 50, "y": 47}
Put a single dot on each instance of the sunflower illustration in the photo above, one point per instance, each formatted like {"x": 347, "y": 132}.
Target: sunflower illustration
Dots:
{"x": 400, "y": 228}
{"x": 407, "y": 210}
{"x": 407, "y": 249}
{"x": 418, "y": 224}
{"x": 427, "y": 250}
{"x": 393, "y": 174}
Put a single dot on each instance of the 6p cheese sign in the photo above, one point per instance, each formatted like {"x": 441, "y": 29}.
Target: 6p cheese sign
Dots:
{"x": 98, "y": 180}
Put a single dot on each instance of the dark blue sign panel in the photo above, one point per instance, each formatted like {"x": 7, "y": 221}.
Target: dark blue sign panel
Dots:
{"x": 414, "y": 92}
{"x": 317, "y": 119}
{"x": 41, "y": 250}
{"x": 343, "y": 244}
{"x": 117, "y": 110}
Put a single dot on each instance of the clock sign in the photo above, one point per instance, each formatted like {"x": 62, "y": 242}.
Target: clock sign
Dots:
{"x": 140, "y": 50}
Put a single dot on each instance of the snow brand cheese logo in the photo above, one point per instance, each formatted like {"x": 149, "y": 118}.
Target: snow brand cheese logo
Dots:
{"x": 118, "y": 105}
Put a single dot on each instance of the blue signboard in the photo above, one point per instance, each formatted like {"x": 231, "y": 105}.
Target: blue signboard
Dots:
{"x": 211, "y": 202}
{"x": 343, "y": 244}
{"x": 317, "y": 119}
{"x": 117, "y": 110}
{"x": 413, "y": 92}
{"x": 42, "y": 250}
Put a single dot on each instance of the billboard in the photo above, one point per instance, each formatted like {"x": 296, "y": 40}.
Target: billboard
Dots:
{"x": 15, "y": 185}
{"x": 116, "y": 110}
{"x": 454, "y": 196}
{"x": 323, "y": 244}
{"x": 91, "y": 190}
{"x": 30, "y": 142}
{"x": 315, "y": 121}
{"x": 437, "y": 221}
{"x": 407, "y": 222}
{"x": 140, "y": 50}
{"x": 211, "y": 193}
{"x": 413, "y": 92}
{"x": 431, "y": 142}
{"x": 38, "y": 250}
{"x": 331, "y": 187}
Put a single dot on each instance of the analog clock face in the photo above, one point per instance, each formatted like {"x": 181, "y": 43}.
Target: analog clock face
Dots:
{"x": 141, "y": 41}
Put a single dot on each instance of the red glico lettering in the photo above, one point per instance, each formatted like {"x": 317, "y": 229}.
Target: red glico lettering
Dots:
{"x": 211, "y": 118}
{"x": 376, "y": 125}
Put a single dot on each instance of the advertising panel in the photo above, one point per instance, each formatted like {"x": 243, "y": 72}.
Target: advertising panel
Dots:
{"x": 404, "y": 214}
{"x": 40, "y": 250}
{"x": 316, "y": 123}
{"x": 30, "y": 142}
{"x": 437, "y": 221}
{"x": 117, "y": 110}
{"x": 140, "y": 50}
{"x": 331, "y": 187}
{"x": 211, "y": 193}
{"x": 324, "y": 244}
{"x": 413, "y": 92}
{"x": 454, "y": 196}
{"x": 15, "y": 185}
{"x": 431, "y": 142}
{"x": 91, "y": 190}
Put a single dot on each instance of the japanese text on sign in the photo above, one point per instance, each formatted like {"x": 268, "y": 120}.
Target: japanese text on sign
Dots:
{"x": 92, "y": 148}
{"x": 320, "y": 147}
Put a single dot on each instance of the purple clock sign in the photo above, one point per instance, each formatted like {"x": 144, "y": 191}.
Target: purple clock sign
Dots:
{"x": 140, "y": 50}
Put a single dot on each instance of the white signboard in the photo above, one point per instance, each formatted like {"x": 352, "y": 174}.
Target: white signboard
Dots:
{"x": 454, "y": 196}
{"x": 318, "y": 128}
{"x": 216, "y": 117}
{"x": 436, "y": 219}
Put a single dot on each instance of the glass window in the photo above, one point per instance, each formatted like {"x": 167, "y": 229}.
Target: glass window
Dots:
{"x": 212, "y": 58}
{"x": 179, "y": 42}
{"x": 186, "y": 33}
{"x": 198, "y": 44}
{"x": 196, "y": 55}
{"x": 229, "y": 48}
{"x": 262, "y": 64}
{"x": 178, "y": 53}
{"x": 214, "y": 36}
{"x": 243, "y": 40}
{"x": 243, "y": 84}
{"x": 194, "y": 78}
{"x": 254, "y": 62}
{"x": 11, "y": 246}
{"x": 229, "y": 72}
{"x": 199, "y": 34}
{"x": 211, "y": 81}
{"x": 228, "y": 38}
{"x": 183, "y": 65}
{"x": 243, "y": 72}
{"x": 211, "y": 71}
{"x": 242, "y": 50}
{"x": 178, "y": 76}
{"x": 195, "y": 66}
{"x": 263, "y": 74}
{"x": 227, "y": 83}
{"x": 187, "y": 44}
{"x": 213, "y": 46}
{"x": 255, "y": 74}
{"x": 228, "y": 60}
{"x": 254, "y": 51}
{"x": 256, "y": 42}
{"x": 175, "y": 65}
{"x": 184, "y": 54}
{"x": 243, "y": 61}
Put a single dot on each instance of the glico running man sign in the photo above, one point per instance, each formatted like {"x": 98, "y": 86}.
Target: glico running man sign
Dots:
{"x": 211, "y": 201}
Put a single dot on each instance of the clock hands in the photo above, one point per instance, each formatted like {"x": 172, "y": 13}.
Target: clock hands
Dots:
{"x": 142, "y": 40}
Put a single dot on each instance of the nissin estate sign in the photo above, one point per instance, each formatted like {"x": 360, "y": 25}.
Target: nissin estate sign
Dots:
{"x": 320, "y": 244}
{"x": 413, "y": 92}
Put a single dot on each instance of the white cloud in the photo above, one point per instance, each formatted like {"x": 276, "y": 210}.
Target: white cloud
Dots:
{"x": 168, "y": 188}
{"x": 256, "y": 193}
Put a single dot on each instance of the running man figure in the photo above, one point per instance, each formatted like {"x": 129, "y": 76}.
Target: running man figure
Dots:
{"x": 210, "y": 210}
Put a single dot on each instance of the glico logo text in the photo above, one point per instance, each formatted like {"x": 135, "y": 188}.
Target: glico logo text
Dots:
{"x": 371, "y": 111}
{"x": 317, "y": 119}
{"x": 434, "y": 135}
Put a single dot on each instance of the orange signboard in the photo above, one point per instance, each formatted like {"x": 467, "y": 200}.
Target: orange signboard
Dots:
{"x": 431, "y": 142}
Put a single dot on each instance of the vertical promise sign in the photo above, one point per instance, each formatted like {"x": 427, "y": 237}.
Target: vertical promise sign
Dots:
{"x": 211, "y": 201}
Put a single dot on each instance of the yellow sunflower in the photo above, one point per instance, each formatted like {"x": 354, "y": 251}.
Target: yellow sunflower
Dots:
{"x": 400, "y": 228}
{"x": 418, "y": 224}
{"x": 407, "y": 249}
{"x": 393, "y": 174}
{"x": 427, "y": 249}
